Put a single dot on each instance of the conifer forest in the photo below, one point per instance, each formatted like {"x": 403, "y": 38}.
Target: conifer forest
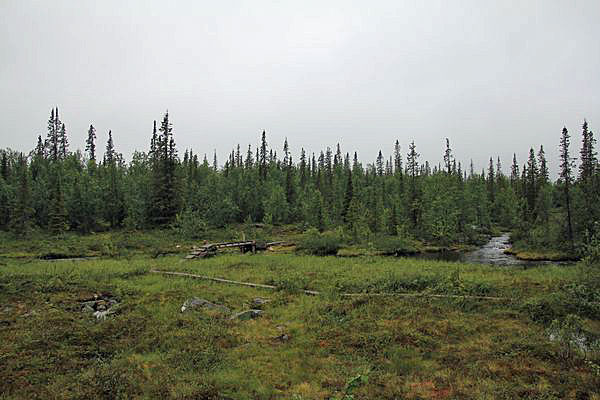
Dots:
{"x": 56, "y": 188}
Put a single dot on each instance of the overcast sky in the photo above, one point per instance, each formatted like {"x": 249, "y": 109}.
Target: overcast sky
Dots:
{"x": 496, "y": 77}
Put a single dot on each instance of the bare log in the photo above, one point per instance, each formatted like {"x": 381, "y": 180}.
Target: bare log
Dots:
{"x": 315, "y": 293}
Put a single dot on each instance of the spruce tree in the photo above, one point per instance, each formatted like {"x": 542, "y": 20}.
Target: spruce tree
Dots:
{"x": 532, "y": 183}
{"x": 64, "y": 143}
{"x": 448, "y": 157}
{"x": 543, "y": 167}
{"x": 379, "y": 164}
{"x": 412, "y": 165}
{"x": 40, "y": 149}
{"x": 109, "y": 154}
{"x": 23, "y": 212}
{"x": 52, "y": 138}
{"x": 262, "y": 158}
{"x": 165, "y": 196}
{"x": 90, "y": 143}
{"x": 587, "y": 154}
{"x": 514, "y": 173}
{"x": 566, "y": 175}
{"x": 249, "y": 161}
{"x": 303, "y": 172}
{"x": 348, "y": 196}
{"x": 491, "y": 183}
{"x": 397, "y": 158}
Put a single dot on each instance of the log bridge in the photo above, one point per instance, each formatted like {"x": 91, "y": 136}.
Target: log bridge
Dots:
{"x": 209, "y": 250}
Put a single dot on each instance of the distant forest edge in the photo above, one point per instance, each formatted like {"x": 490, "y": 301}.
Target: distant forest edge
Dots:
{"x": 54, "y": 189}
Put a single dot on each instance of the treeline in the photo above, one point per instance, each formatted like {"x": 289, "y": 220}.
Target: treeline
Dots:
{"x": 56, "y": 189}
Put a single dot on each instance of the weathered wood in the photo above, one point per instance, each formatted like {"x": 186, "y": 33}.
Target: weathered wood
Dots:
{"x": 315, "y": 293}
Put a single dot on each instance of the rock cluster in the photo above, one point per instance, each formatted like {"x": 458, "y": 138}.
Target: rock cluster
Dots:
{"x": 100, "y": 305}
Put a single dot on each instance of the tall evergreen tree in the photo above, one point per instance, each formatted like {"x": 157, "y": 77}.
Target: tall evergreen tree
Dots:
{"x": 64, "y": 142}
{"x": 397, "y": 158}
{"x": 348, "y": 196}
{"x": 379, "y": 164}
{"x": 412, "y": 165}
{"x": 23, "y": 213}
{"x": 165, "y": 197}
{"x": 566, "y": 175}
{"x": 262, "y": 158}
{"x": 532, "y": 183}
{"x": 109, "y": 154}
{"x": 303, "y": 165}
{"x": 90, "y": 143}
{"x": 448, "y": 157}
{"x": 543, "y": 172}
{"x": 588, "y": 160}
{"x": 491, "y": 183}
{"x": 53, "y": 132}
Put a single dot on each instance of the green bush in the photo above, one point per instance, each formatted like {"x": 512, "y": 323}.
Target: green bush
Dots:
{"x": 592, "y": 252}
{"x": 394, "y": 245}
{"x": 320, "y": 244}
{"x": 190, "y": 224}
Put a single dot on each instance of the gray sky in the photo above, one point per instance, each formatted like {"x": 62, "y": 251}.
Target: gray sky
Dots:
{"x": 496, "y": 77}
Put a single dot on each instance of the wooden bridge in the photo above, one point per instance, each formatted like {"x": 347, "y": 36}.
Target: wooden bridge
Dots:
{"x": 245, "y": 246}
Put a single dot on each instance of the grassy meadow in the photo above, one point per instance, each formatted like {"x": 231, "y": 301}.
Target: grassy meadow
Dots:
{"x": 328, "y": 346}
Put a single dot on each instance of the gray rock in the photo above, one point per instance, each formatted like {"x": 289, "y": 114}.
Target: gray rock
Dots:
{"x": 195, "y": 302}
{"x": 259, "y": 302}
{"x": 248, "y": 314}
{"x": 101, "y": 315}
{"x": 284, "y": 337}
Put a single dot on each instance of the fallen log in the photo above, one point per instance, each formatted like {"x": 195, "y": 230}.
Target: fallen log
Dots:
{"x": 315, "y": 293}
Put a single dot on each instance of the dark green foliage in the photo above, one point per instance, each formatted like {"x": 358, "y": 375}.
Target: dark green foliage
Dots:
{"x": 165, "y": 185}
{"x": 90, "y": 143}
{"x": 440, "y": 205}
{"x": 57, "y": 213}
{"x": 393, "y": 245}
{"x": 566, "y": 176}
{"x": 21, "y": 220}
{"x": 320, "y": 244}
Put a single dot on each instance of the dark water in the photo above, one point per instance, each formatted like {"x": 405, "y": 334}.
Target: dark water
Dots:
{"x": 491, "y": 253}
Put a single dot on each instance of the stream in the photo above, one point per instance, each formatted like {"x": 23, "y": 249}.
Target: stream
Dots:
{"x": 490, "y": 253}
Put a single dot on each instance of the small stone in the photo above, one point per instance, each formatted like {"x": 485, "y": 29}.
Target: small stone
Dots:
{"x": 284, "y": 337}
{"x": 259, "y": 302}
{"x": 248, "y": 314}
{"x": 196, "y": 302}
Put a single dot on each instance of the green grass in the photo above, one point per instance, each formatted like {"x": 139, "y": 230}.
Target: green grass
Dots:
{"x": 337, "y": 347}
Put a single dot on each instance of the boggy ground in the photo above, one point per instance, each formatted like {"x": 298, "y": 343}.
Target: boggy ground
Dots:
{"x": 302, "y": 347}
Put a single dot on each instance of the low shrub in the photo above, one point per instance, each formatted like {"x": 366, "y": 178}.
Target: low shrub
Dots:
{"x": 320, "y": 244}
{"x": 394, "y": 245}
